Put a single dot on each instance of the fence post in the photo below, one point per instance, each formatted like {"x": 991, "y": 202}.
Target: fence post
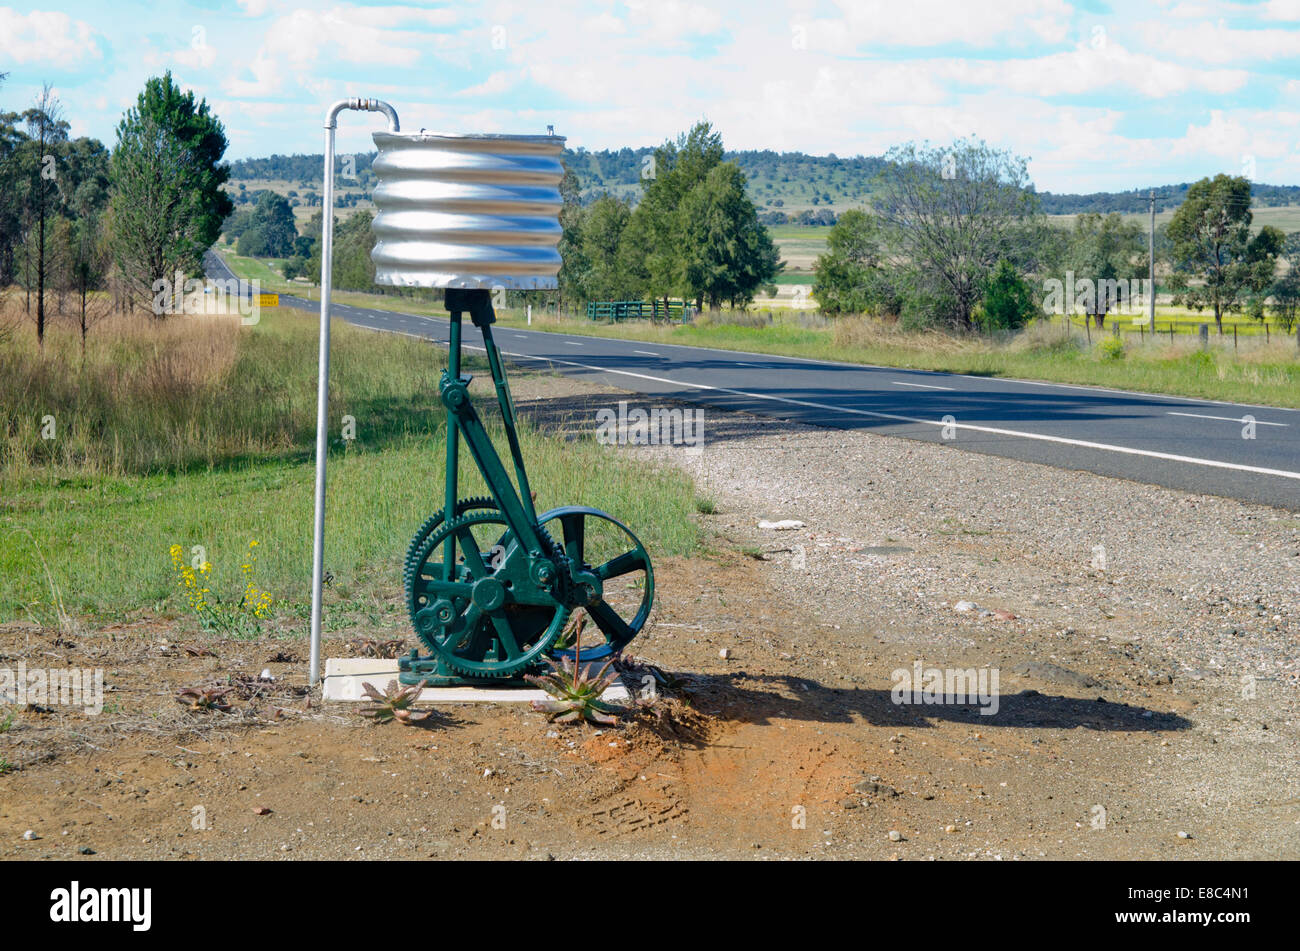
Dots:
{"x": 1234, "y": 337}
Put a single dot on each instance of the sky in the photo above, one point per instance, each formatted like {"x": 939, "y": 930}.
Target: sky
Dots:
{"x": 1097, "y": 96}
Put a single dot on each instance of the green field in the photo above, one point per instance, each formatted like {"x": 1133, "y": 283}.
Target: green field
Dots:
{"x": 202, "y": 435}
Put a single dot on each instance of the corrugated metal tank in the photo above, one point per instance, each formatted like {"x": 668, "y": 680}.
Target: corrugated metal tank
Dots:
{"x": 472, "y": 211}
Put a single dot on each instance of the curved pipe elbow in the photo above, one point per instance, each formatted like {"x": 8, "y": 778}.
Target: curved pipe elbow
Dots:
{"x": 364, "y": 105}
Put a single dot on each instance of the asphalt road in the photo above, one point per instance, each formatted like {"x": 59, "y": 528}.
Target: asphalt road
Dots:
{"x": 1182, "y": 443}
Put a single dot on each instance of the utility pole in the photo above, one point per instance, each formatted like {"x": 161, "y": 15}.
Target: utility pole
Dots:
{"x": 1151, "y": 265}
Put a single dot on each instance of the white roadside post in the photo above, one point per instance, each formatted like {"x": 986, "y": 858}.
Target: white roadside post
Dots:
{"x": 323, "y": 373}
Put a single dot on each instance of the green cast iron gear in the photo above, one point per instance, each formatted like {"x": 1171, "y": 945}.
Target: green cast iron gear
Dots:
{"x": 493, "y": 620}
{"x": 596, "y": 565}
{"x": 432, "y": 522}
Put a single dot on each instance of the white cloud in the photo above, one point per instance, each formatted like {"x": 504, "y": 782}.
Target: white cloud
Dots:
{"x": 1086, "y": 69}
{"x": 44, "y": 36}
{"x": 671, "y": 21}
{"x": 297, "y": 41}
{"x": 1219, "y": 43}
{"x": 880, "y": 25}
{"x": 1285, "y": 10}
{"x": 494, "y": 85}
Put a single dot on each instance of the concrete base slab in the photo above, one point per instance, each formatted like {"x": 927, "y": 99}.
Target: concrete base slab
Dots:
{"x": 344, "y": 677}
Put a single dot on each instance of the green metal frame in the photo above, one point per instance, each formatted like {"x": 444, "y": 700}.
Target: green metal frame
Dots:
{"x": 538, "y": 579}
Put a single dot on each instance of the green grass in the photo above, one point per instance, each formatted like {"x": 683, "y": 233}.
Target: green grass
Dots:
{"x": 103, "y": 520}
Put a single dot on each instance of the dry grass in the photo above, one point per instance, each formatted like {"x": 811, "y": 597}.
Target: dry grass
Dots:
{"x": 133, "y": 404}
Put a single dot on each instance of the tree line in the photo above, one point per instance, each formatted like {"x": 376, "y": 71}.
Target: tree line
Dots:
{"x": 955, "y": 237}
{"x": 78, "y": 223}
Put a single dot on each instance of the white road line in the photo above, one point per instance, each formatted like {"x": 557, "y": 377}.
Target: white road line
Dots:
{"x": 1082, "y": 443}
{"x": 646, "y": 353}
{"x": 573, "y": 344}
{"x": 1226, "y": 419}
{"x": 924, "y": 386}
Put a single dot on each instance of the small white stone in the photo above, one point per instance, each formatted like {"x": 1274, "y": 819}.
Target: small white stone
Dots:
{"x": 30, "y": 836}
{"x": 783, "y": 525}
{"x": 1184, "y": 835}
{"x": 964, "y": 606}
{"x": 724, "y": 653}
{"x": 895, "y": 835}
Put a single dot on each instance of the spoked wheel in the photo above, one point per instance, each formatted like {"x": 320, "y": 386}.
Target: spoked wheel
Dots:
{"x": 620, "y": 579}
{"x": 492, "y": 619}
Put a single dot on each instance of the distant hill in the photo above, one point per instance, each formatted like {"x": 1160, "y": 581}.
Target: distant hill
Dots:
{"x": 783, "y": 185}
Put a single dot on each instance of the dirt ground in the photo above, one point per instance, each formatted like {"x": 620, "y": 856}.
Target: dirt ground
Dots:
{"x": 1146, "y": 709}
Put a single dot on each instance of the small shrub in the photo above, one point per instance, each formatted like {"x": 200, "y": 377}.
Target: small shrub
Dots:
{"x": 394, "y": 703}
{"x": 577, "y": 693}
{"x": 1112, "y": 348}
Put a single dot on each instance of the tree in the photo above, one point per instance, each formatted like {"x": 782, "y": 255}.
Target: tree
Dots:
{"x": 849, "y": 277}
{"x": 166, "y": 176}
{"x": 569, "y": 279}
{"x": 724, "y": 253}
{"x": 1212, "y": 244}
{"x": 604, "y": 223}
{"x": 1106, "y": 251}
{"x": 271, "y": 231}
{"x": 951, "y": 215}
{"x": 1008, "y": 299}
{"x": 11, "y": 137}
{"x": 86, "y": 261}
{"x": 39, "y": 168}
{"x": 1286, "y": 290}
{"x": 673, "y": 171}
{"x": 353, "y": 242}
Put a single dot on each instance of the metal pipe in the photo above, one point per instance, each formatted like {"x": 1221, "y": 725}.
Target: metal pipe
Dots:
{"x": 323, "y": 372}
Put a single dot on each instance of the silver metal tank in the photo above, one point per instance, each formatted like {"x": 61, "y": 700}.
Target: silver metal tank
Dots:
{"x": 469, "y": 211}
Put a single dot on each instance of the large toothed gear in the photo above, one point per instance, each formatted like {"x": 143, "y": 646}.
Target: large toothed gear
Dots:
{"x": 432, "y": 522}
{"x": 495, "y": 619}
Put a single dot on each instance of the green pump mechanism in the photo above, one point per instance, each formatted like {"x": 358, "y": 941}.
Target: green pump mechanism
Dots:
{"x": 489, "y": 585}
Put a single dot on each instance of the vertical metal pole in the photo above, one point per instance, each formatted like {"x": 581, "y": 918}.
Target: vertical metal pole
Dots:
{"x": 322, "y": 399}
{"x": 453, "y": 453}
{"x": 323, "y": 371}
{"x": 1151, "y": 265}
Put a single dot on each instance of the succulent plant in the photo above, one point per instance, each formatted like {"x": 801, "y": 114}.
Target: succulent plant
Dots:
{"x": 571, "y": 634}
{"x": 204, "y": 699}
{"x": 394, "y": 703}
{"x": 577, "y": 693}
